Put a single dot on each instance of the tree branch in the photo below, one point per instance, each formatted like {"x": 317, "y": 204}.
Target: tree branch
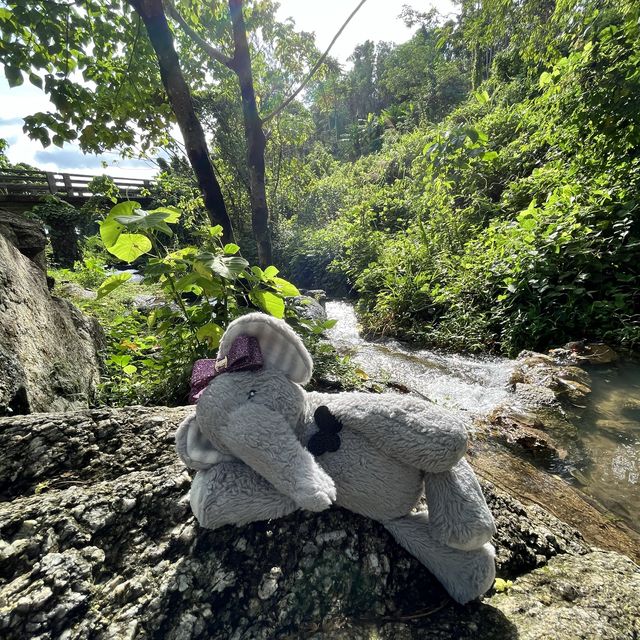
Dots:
{"x": 212, "y": 52}
{"x": 315, "y": 67}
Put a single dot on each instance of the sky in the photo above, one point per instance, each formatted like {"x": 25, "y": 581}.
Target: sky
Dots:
{"x": 376, "y": 20}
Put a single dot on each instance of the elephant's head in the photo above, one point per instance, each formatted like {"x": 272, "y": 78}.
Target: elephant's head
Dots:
{"x": 261, "y": 363}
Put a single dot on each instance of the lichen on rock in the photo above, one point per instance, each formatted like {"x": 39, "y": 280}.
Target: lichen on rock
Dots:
{"x": 97, "y": 540}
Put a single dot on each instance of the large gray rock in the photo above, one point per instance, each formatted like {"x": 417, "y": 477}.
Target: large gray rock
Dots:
{"x": 48, "y": 349}
{"x": 26, "y": 235}
{"x": 97, "y": 541}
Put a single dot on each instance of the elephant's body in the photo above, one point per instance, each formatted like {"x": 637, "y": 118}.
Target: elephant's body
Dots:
{"x": 248, "y": 441}
{"x": 368, "y": 480}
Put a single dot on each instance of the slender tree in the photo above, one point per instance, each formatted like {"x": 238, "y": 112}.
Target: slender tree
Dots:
{"x": 255, "y": 138}
{"x": 152, "y": 14}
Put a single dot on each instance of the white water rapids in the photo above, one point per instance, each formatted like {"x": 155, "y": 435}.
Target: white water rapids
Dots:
{"x": 469, "y": 383}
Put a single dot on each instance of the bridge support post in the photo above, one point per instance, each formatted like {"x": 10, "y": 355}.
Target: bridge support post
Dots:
{"x": 67, "y": 184}
{"x": 51, "y": 181}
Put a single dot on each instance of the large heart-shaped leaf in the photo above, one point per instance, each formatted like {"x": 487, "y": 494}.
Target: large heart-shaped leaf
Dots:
{"x": 111, "y": 283}
{"x": 130, "y": 246}
{"x": 269, "y": 302}
{"x": 110, "y": 227}
{"x": 124, "y": 209}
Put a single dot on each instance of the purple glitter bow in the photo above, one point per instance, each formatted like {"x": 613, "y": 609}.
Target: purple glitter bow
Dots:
{"x": 244, "y": 355}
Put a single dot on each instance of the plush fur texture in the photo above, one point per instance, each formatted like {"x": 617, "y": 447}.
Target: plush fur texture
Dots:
{"x": 247, "y": 440}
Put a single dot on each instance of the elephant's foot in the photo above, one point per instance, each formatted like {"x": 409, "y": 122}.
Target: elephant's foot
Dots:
{"x": 466, "y": 575}
{"x": 458, "y": 513}
{"x": 233, "y": 493}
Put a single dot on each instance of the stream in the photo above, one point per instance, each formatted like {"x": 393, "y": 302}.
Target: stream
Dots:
{"x": 603, "y": 460}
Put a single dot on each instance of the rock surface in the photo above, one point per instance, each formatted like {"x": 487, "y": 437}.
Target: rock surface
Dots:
{"x": 48, "y": 349}
{"x": 27, "y": 236}
{"x": 97, "y": 541}
{"x": 549, "y": 391}
{"x": 310, "y": 308}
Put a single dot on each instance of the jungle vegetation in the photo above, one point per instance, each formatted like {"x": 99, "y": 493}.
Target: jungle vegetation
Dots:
{"x": 474, "y": 188}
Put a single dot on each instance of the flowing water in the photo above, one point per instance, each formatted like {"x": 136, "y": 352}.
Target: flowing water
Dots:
{"x": 469, "y": 383}
{"x": 609, "y": 441}
{"x": 604, "y": 458}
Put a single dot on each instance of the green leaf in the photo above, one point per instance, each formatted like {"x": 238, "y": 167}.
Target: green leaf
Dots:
{"x": 268, "y": 302}
{"x": 215, "y": 232}
{"x": 210, "y": 333}
{"x": 186, "y": 282}
{"x": 489, "y": 156}
{"x": 110, "y": 228}
{"x": 130, "y": 246}
{"x": 35, "y": 80}
{"x": 124, "y": 209}
{"x": 111, "y": 283}
{"x": 130, "y": 369}
{"x": 482, "y": 97}
{"x": 527, "y": 221}
{"x": 545, "y": 78}
{"x": 110, "y": 231}
{"x": 231, "y": 249}
{"x": 229, "y": 267}
{"x": 172, "y": 213}
{"x": 147, "y": 220}
{"x": 285, "y": 288}
{"x": 270, "y": 272}
{"x": 14, "y": 76}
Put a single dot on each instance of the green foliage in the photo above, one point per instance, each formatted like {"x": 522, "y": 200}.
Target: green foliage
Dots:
{"x": 511, "y": 224}
{"x": 4, "y": 161}
{"x": 203, "y": 289}
{"x": 62, "y": 221}
{"x": 112, "y": 283}
{"x": 477, "y": 186}
{"x": 88, "y": 274}
{"x": 96, "y": 65}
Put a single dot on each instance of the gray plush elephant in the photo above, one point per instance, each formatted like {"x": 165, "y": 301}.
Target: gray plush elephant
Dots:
{"x": 264, "y": 447}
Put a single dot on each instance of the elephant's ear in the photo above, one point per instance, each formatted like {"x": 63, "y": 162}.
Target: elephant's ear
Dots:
{"x": 281, "y": 348}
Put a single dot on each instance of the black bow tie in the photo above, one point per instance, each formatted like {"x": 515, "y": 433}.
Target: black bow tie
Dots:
{"x": 327, "y": 438}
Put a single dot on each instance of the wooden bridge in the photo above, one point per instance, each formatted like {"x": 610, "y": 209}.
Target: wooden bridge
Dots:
{"x": 23, "y": 188}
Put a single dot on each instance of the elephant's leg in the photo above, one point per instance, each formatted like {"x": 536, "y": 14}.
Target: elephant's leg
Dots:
{"x": 458, "y": 511}
{"x": 464, "y": 574}
{"x": 233, "y": 493}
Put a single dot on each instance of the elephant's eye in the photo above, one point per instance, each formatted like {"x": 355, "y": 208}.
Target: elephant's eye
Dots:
{"x": 251, "y": 394}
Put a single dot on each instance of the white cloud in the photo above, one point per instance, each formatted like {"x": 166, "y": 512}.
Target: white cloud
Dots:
{"x": 18, "y": 102}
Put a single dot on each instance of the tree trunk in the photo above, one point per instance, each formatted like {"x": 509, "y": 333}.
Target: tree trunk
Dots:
{"x": 153, "y": 16}
{"x": 256, "y": 141}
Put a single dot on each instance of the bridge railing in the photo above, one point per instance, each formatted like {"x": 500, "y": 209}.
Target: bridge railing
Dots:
{"x": 32, "y": 182}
